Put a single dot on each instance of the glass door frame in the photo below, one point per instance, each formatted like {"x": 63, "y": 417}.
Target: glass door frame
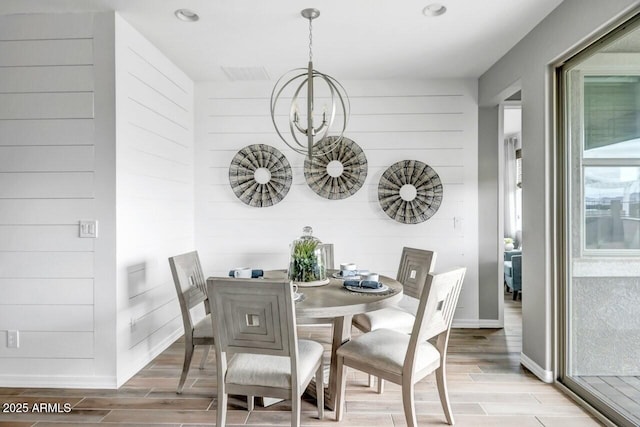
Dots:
{"x": 562, "y": 246}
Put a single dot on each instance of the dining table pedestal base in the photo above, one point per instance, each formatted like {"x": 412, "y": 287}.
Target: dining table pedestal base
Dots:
{"x": 341, "y": 333}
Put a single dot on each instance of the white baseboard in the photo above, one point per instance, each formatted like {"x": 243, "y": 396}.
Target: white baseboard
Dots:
{"x": 465, "y": 323}
{"x": 491, "y": 323}
{"x": 537, "y": 370}
{"x": 38, "y": 381}
{"x": 476, "y": 323}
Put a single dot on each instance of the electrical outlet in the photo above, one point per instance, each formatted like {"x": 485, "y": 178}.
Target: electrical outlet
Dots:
{"x": 13, "y": 339}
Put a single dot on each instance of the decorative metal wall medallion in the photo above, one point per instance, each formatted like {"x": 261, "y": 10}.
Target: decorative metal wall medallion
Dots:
{"x": 260, "y": 175}
{"x": 339, "y": 173}
{"x": 410, "y": 192}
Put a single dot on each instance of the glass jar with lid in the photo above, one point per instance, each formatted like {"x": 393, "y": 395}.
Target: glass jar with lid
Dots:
{"x": 308, "y": 261}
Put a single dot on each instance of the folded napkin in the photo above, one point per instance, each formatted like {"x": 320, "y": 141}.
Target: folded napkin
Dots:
{"x": 254, "y": 273}
{"x": 369, "y": 284}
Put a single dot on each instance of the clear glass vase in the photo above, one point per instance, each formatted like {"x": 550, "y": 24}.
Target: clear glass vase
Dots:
{"x": 308, "y": 260}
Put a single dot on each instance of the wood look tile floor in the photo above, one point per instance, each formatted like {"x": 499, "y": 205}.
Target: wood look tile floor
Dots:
{"x": 487, "y": 386}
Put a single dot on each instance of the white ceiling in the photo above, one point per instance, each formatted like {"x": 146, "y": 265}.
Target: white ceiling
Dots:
{"x": 353, "y": 39}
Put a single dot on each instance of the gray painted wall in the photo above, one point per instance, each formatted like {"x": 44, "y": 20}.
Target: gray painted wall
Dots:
{"x": 568, "y": 27}
{"x": 488, "y": 250}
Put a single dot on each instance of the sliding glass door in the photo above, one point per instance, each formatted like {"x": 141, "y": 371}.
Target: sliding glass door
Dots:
{"x": 600, "y": 291}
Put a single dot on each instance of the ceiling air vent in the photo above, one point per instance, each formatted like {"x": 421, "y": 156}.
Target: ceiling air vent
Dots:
{"x": 246, "y": 73}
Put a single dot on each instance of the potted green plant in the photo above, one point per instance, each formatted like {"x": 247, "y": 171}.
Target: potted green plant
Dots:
{"x": 307, "y": 262}
{"x": 508, "y": 244}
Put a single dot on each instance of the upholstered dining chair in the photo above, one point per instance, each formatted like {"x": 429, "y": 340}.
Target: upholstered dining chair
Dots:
{"x": 191, "y": 288}
{"x": 257, "y": 346}
{"x": 415, "y": 266}
{"x": 406, "y": 359}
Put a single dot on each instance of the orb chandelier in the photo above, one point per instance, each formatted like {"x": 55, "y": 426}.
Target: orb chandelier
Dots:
{"x": 302, "y": 127}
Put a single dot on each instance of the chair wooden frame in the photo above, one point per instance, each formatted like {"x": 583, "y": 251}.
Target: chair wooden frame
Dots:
{"x": 258, "y": 317}
{"x": 433, "y": 320}
{"x": 191, "y": 289}
{"x": 415, "y": 266}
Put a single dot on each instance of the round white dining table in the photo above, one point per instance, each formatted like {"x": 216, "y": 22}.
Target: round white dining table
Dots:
{"x": 333, "y": 303}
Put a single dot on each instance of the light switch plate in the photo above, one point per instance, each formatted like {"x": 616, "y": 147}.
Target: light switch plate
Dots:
{"x": 13, "y": 339}
{"x": 88, "y": 228}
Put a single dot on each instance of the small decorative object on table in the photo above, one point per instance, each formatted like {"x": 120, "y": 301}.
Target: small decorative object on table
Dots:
{"x": 308, "y": 266}
{"x": 508, "y": 244}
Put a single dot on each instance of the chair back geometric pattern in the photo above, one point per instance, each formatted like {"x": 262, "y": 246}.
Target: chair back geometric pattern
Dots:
{"x": 435, "y": 311}
{"x": 190, "y": 284}
{"x": 253, "y": 316}
{"x": 415, "y": 266}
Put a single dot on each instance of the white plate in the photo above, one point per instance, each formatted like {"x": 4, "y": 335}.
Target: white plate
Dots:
{"x": 384, "y": 288}
{"x": 313, "y": 284}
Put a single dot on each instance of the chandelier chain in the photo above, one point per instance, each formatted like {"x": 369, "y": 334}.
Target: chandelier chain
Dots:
{"x": 310, "y": 40}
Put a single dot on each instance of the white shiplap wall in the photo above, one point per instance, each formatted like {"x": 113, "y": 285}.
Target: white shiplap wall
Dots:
{"x": 155, "y": 212}
{"x": 433, "y": 121}
{"x": 51, "y": 288}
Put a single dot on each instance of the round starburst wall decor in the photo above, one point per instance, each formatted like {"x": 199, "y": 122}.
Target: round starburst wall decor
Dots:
{"x": 410, "y": 192}
{"x": 260, "y": 175}
{"x": 339, "y": 173}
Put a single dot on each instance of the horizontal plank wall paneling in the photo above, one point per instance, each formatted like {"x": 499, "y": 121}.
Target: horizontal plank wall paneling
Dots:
{"x": 46, "y": 291}
{"x": 432, "y": 121}
{"x": 69, "y": 105}
{"x": 155, "y": 214}
{"x": 20, "y": 53}
{"x": 76, "y": 78}
{"x": 46, "y": 211}
{"x": 77, "y": 318}
{"x": 60, "y": 158}
{"x": 46, "y": 238}
{"x": 38, "y": 344}
{"x": 48, "y": 182}
{"x": 45, "y": 185}
{"x": 43, "y": 27}
{"x": 58, "y": 132}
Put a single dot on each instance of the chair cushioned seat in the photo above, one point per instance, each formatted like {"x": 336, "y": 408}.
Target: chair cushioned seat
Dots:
{"x": 386, "y": 349}
{"x": 203, "y": 328}
{"x": 273, "y": 371}
{"x": 390, "y": 318}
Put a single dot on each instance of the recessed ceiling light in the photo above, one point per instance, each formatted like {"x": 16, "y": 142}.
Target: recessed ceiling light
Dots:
{"x": 186, "y": 15}
{"x": 434, "y": 9}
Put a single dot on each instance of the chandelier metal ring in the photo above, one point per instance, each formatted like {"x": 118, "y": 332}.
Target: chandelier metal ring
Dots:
{"x": 338, "y": 100}
{"x": 292, "y": 83}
